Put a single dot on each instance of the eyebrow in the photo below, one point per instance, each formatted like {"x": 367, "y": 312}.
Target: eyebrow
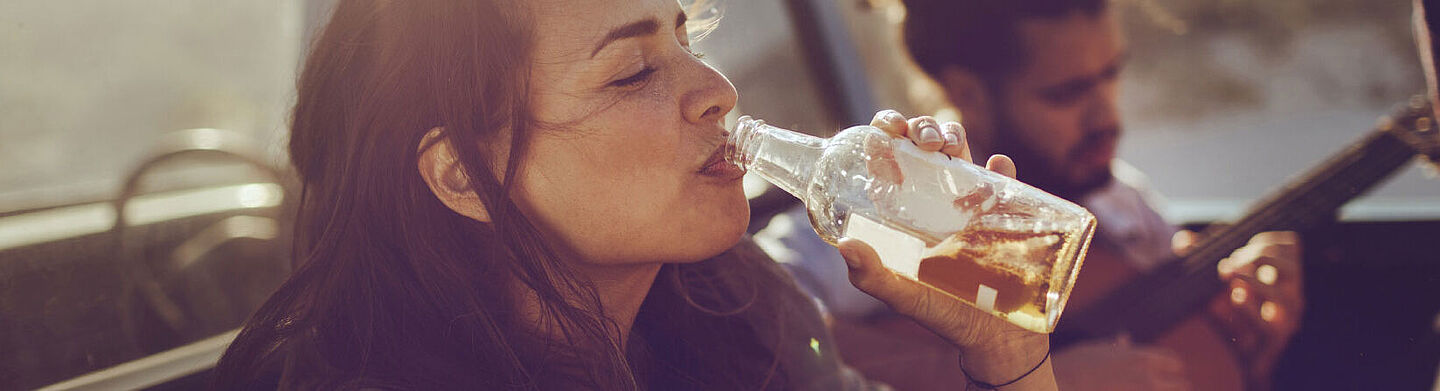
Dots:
{"x": 1086, "y": 82}
{"x": 634, "y": 29}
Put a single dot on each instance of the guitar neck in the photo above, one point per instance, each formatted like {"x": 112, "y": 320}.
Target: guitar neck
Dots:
{"x": 1153, "y": 303}
{"x": 1313, "y": 198}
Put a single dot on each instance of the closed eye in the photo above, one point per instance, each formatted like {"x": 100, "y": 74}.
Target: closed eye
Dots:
{"x": 636, "y": 79}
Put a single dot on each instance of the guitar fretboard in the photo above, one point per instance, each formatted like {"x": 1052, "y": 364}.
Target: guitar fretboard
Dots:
{"x": 1153, "y": 303}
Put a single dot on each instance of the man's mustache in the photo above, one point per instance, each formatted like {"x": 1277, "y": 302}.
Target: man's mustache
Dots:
{"x": 1095, "y": 139}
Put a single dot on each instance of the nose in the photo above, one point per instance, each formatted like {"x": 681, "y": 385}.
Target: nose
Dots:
{"x": 1102, "y": 112}
{"x": 710, "y": 96}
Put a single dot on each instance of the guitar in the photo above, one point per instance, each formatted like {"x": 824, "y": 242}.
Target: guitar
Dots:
{"x": 1161, "y": 306}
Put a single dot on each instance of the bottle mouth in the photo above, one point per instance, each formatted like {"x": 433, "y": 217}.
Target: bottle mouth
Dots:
{"x": 739, "y": 144}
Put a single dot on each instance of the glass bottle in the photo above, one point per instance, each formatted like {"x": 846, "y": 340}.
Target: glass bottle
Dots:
{"x": 983, "y": 238}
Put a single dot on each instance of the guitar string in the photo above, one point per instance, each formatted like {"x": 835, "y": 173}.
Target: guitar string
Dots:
{"x": 1362, "y": 168}
{"x": 1268, "y": 213}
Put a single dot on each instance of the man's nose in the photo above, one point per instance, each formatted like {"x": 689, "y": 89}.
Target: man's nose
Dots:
{"x": 1102, "y": 111}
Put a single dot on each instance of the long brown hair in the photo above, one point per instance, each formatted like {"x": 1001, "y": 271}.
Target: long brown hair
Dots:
{"x": 381, "y": 262}
{"x": 394, "y": 290}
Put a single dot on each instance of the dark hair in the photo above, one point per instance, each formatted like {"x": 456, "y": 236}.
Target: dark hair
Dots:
{"x": 394, "y": 290}
{"x": 391, "y": 287}
{"x": 981, "y": 36}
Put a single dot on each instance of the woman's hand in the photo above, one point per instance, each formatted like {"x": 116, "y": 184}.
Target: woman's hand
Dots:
{"x": 995, "y": 351}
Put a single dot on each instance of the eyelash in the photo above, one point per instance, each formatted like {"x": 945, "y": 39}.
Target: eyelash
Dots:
{"x": 644, "y": 74}
{"x": 636, "y": 79}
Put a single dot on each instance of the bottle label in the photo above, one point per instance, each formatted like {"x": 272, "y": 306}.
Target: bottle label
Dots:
{"x": 898, "y": 252}
{"x": 985, "y": 297}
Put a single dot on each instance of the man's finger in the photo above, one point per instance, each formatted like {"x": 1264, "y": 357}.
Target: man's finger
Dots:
{"x": 1183, "y": 241}
{"x": 1264, "y": 306}
{"x": 1277, "y": 237}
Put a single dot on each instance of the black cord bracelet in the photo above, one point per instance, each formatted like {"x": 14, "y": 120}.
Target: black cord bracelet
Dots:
{"x": 989, "y": 386}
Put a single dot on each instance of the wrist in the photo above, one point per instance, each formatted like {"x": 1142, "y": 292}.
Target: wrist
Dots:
{"x": 1019, "y": 346}
{"x": 1021, "y": 362}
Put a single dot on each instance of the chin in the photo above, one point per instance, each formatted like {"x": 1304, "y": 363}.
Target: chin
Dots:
{"x": 723, "y": 231}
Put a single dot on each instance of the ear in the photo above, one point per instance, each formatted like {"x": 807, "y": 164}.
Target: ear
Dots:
{"x": 443, "y": 173}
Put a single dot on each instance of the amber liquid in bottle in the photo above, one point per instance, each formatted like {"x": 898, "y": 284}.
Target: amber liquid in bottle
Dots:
{"x": 987, "y": 240}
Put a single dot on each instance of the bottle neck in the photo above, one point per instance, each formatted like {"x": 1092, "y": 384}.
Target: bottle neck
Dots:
{"x": 782, "y": 157}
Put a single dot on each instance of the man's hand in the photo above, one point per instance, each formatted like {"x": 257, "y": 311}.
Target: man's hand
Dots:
{"x": 1266, "y": 299}
{"x": 1118, "y": 365}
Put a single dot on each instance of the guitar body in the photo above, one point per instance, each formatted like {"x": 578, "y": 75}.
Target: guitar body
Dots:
{"x": 1209, "y": 362}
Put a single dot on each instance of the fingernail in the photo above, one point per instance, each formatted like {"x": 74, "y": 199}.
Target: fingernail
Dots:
{"x": 1269, "y": 311}
{"x": 929, "y": 135}
{"x": 882, "y": 116}
{"x": 955, "y": 128}
{"x": 1267, "y": 274}
{"x": 849, "y": 255}
{"x": 893, "y": 117}
{"x": 950, "y": 139}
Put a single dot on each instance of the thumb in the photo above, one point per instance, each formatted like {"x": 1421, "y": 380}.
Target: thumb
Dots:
{"x": 908, "y": 297}
{"x": 1001, "y": 164}
{"x": 862, "y": 260}
{"x": 869, "y": 275}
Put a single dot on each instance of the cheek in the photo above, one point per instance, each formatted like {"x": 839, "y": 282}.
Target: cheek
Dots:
{"x": 618, "y": 184}
{"x": 598, "y": 177}
{"x": 625, "y": 192}
{"x": 1047, "y": 129}
{"x": 634, "y": 210}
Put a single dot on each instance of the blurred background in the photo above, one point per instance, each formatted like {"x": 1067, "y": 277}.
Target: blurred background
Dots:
{"x": 144, "y": 194}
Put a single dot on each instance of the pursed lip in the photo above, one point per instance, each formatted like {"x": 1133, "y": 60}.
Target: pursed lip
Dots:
{"x": 716, "y": 166}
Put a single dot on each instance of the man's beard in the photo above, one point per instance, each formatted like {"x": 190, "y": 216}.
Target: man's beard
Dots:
{"x": 1037, "y": 170}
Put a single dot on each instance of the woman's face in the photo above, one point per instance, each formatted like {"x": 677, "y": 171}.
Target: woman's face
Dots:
{"x": 621, "y": 165}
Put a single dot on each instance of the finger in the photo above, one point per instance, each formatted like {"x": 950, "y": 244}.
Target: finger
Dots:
{"x": 925, "y": 132}
{"x": 1278, "y": 244}
{"x": 1243, "y": 317}
{"x": 1001, "y": 164}
{"x": 1277, "y": 237}
{"x": 1272, "y": 306}
{"x": 1285, "y": 257}
{"x": 891, "y": 122}
{"x": 1267, "y": 274}
{"x": 868, "y": 274}
{"x": 955, "y": 143}
{"x": 903, "y": 295}
{"x": 1270, "y": 264}
{"x": 1241, "y": 261}
{"x": 1241, "y": 292}
{"x": 1182, "y": 242}
{"x": 1269, "y": 285}
{"x": 1261, "y": 308}
{"x": 880, "y": 160}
